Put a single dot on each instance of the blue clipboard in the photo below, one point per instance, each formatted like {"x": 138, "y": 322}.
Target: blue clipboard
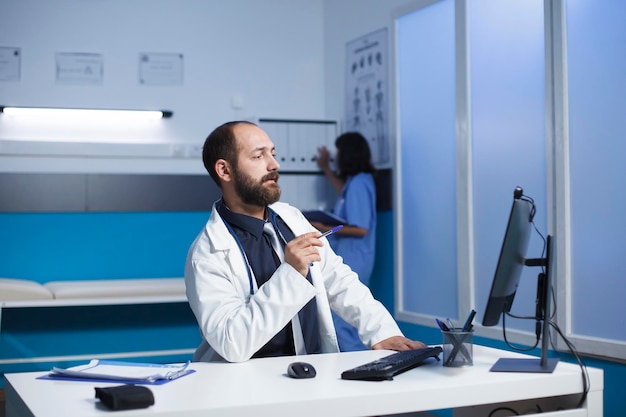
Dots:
{"x": 121, "y": 372}
{"x": 324, "y": 217}
{"x": 118, "y": 381}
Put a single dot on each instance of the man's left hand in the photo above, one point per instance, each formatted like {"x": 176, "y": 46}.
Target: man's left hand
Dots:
{"x": 399, "y": 343}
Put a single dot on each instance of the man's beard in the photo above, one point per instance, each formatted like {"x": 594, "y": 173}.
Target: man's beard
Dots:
{"x": 257, "y": 193}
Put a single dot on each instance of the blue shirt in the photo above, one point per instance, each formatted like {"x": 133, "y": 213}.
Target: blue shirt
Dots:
{"x": 357, "y": 204}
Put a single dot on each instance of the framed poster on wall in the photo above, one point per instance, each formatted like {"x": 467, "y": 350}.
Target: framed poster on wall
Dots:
{"x": 367, "y": 92}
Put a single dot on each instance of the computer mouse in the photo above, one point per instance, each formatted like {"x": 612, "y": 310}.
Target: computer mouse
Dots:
{"x": 301, "y": 370}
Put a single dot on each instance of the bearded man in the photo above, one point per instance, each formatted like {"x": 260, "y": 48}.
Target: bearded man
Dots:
{"x": 260, "y": 279}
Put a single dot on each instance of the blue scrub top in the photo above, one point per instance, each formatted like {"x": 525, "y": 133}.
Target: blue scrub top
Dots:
{"x": 357, "y": 204}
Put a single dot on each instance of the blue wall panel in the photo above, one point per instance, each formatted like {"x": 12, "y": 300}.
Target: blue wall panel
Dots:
{"x": 83, "y": 246}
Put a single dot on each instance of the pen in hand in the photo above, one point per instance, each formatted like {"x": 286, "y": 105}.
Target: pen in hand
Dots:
{"x": 328, "y": 233}
{"x": 331, "y": 231}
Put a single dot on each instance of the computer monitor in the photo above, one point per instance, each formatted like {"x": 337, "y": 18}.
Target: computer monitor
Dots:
{"x": 511, "y": 262}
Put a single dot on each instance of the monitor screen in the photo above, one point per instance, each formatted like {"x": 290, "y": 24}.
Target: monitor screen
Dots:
{"x": 512, "y": 259}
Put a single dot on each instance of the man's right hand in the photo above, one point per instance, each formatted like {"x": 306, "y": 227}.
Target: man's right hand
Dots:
{"x": 301, "y": 251}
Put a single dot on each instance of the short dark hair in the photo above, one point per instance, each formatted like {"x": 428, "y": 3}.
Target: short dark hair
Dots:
{"x": 353, "y": 155}
{"x": 221, "y": 144}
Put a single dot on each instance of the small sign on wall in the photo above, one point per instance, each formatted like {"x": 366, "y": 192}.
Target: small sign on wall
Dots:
{"x": 9, "y": 64}
{"x": 160, "y": 69}
{"x": 79, "y": 68}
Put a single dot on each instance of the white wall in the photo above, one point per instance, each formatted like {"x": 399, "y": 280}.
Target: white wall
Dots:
{"x": 269, "y": 54}
{"x": 281, "y": 58}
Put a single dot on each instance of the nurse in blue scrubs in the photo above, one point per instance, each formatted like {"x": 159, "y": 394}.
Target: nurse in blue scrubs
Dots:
{"x": 356, "y": 241}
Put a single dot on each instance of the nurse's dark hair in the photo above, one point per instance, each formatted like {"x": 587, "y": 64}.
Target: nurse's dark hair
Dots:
{"x": 221, "y": 144}
{"x": 353, "y": 155}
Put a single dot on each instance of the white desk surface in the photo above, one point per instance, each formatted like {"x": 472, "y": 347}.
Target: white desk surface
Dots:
{"x": 260, "y": 387}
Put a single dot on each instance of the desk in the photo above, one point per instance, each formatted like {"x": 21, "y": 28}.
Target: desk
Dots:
{"x": 260, "y": 387}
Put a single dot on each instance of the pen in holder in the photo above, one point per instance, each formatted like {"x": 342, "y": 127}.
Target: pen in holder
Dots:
{"x": 458, "y": 347}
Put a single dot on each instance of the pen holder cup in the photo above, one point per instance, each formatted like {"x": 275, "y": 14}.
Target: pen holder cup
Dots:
{"x": 458, "y": 348}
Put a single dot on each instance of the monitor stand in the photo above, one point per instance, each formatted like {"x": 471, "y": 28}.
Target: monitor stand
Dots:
{"x": 524, "y": 365}
{"x": 543, "y": 364}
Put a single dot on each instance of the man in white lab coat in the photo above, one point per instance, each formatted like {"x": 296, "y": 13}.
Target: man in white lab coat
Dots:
{"x": 246, "y": 310}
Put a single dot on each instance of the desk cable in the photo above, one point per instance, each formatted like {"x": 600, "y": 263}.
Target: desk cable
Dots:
{"x": 548, "y": 321}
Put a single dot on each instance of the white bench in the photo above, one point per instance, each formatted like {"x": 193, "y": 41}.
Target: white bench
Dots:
{"x": 20, "y": 293}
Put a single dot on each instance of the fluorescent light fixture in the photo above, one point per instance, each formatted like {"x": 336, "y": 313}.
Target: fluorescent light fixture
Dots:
{"x": 82, "y": 114}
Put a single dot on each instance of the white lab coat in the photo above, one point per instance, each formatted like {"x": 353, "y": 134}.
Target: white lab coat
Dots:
{"x": 235, "y": 324}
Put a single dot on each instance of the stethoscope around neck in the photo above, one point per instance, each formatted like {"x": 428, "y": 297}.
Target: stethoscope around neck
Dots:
{"x": 271, "y": 218}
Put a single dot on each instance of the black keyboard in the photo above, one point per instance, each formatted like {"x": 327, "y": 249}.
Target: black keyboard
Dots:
{"x": 387, "y": 367}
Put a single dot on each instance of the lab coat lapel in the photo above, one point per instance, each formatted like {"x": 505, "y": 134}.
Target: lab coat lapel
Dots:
{"x": 221, "y": 240}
